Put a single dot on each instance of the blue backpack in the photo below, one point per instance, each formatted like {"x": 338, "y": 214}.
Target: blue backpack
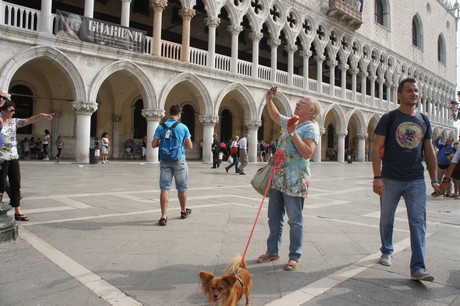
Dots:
{"x": 169, "y": 144}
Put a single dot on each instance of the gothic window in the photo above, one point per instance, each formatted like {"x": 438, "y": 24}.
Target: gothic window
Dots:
{"x": 379, "y": 12}
{"x": 382, "y": 13}
{"x": 441, "y": 49}
{"x": 417, "y": 35}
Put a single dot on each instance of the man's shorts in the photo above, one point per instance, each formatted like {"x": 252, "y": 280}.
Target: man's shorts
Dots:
{"x": 177, "y": 169}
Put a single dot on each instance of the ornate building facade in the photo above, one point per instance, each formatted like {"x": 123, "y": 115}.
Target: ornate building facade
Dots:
{"x": 118, "y": 65}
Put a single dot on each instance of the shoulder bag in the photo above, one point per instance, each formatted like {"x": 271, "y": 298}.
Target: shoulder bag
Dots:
{"x": 263, "y": 178}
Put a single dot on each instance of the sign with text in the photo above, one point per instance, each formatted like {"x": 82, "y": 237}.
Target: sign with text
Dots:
{"x": 73, "y": 26}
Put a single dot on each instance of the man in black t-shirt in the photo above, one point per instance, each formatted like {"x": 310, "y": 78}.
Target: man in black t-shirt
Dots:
{"x": 400, "y": 173}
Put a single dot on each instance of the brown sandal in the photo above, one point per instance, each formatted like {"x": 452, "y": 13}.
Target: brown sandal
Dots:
{"x": 292, "y": 264}
{"x": 163, "y": 221}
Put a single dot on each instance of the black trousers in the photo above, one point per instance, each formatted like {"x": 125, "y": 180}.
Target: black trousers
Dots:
{"x": 10, "y": 169}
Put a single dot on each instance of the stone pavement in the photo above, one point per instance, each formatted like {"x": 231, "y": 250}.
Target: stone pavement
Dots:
{"x": 93, "y": 239}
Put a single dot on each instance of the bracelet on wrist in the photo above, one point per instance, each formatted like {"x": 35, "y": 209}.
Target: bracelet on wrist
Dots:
{"x": 377, "y": 177}
{"x": 434, "y": 182}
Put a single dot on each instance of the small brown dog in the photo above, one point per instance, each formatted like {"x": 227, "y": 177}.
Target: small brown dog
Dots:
{"x": 228, "y": 289}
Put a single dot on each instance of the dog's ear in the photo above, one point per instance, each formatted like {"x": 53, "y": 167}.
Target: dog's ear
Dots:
{"x": 206, "y": 277}
{"x": 230, "y": 279}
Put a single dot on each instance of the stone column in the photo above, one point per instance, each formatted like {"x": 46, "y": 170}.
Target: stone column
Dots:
{"x": 256, "y": 37}
{"x": 319, "y": 72}
{"x": 153, "y": 117}
{"x": 115, "y": 141}
{"x": 372, "y": 79}
{"x": 341, "y": 147}
{"x": 212, "y": 24}
{"x": 305, "y": 56}
{"x": 208, "y": 121}
{"x": 274, "y": 43}
{"x": 354, "y": 73}
{"x": 343, "y": 81}
{"x": 235, "y": 31}
{"x": 290, "y": 49}
{"x": 388, "y": 89}
{"x": 89, "y": 8}
{"x": 45, "y": 23}
{"x": 317, "y": 154}
{"x": 361, "y": 157}
{"x": 363, "y": 76}
{"x": 83, "y": 129}
{"x": 380, "y": 81}
{"x": 332, "y": 64}
{"x": 125, "y": 11}
{"x": 253, "y": 127}
{"x": 186, "y": 14}
{"x": 394, "y": 89}
{"x": 158, "y": 7}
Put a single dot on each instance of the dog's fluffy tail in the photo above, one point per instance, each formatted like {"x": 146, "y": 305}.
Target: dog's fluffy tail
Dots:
{"x": 236, "y": 264}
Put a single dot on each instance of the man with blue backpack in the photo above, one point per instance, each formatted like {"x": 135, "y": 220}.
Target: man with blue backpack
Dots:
{"x": 171, "y": 137}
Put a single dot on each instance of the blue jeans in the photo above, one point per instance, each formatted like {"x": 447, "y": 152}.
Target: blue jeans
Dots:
{"x": 414, "y": 194}
{"x": 177, "y": 169}
{"x": 278, "y": 205}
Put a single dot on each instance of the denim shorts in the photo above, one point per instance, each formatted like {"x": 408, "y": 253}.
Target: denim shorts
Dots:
{"x": 177, "y": 169}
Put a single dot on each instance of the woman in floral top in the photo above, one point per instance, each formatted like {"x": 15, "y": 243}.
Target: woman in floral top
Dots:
{"x": 9, "y": 155}
{"x": 291, "y": 177}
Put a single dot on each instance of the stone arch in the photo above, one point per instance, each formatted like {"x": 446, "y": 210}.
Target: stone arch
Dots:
{"x": 338, "y": 114}
{"x": 198, "y": 87}
{"x": 361, "y": 120}
{"x": 250, "y": 111}
{"x": 57, "y": 57}
{"x": 145, "y": 85}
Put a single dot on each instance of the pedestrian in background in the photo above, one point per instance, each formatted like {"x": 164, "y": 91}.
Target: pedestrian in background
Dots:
{"x": 445, "y": 154}
{"x": 59, "y": 145}
{"x": 105, "y": 147}
{"x": 243, "y": 153}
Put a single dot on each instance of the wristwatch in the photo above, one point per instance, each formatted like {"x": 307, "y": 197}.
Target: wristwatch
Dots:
{"x": 292, "y": 134}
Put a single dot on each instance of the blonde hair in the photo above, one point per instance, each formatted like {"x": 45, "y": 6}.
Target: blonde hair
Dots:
{"x": 236, "y": 138}
{"x": 314, "y": 103}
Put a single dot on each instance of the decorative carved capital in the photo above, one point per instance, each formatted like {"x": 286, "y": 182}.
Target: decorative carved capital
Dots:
{"x": 305, "y": 53}
{"x": 253, "y": 123}
{"x": 187, "y": 13}
{"x": 84, "y": 108}
{"x": 332, "y": 63}
{"x": 212, "y": 22}
{"x": 153, "y": 114}
{"x": 235, "y": 29}
{"x": 344, "y": 67}
{"x": 274, "y": 42}
{"x": 361, "y": 135}
{"x": 256, "y": 36}
{"x": 158, "y": 4}
{"x": 208, "y": 119}
{"x": 320, "y": 58}
{"x": 291, "y": 48}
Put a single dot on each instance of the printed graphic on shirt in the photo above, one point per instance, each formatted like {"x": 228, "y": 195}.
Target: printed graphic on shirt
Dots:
{"x": 409, "y": 135}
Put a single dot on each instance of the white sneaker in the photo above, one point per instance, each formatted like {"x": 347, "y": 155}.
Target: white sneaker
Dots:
{"x": 103, "y": 161}
{"x": 385, "y": 260}
{"x": 422, "y": 275}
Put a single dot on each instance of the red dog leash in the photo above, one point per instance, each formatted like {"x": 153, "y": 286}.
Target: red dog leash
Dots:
{"x": 269, "y": 185}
